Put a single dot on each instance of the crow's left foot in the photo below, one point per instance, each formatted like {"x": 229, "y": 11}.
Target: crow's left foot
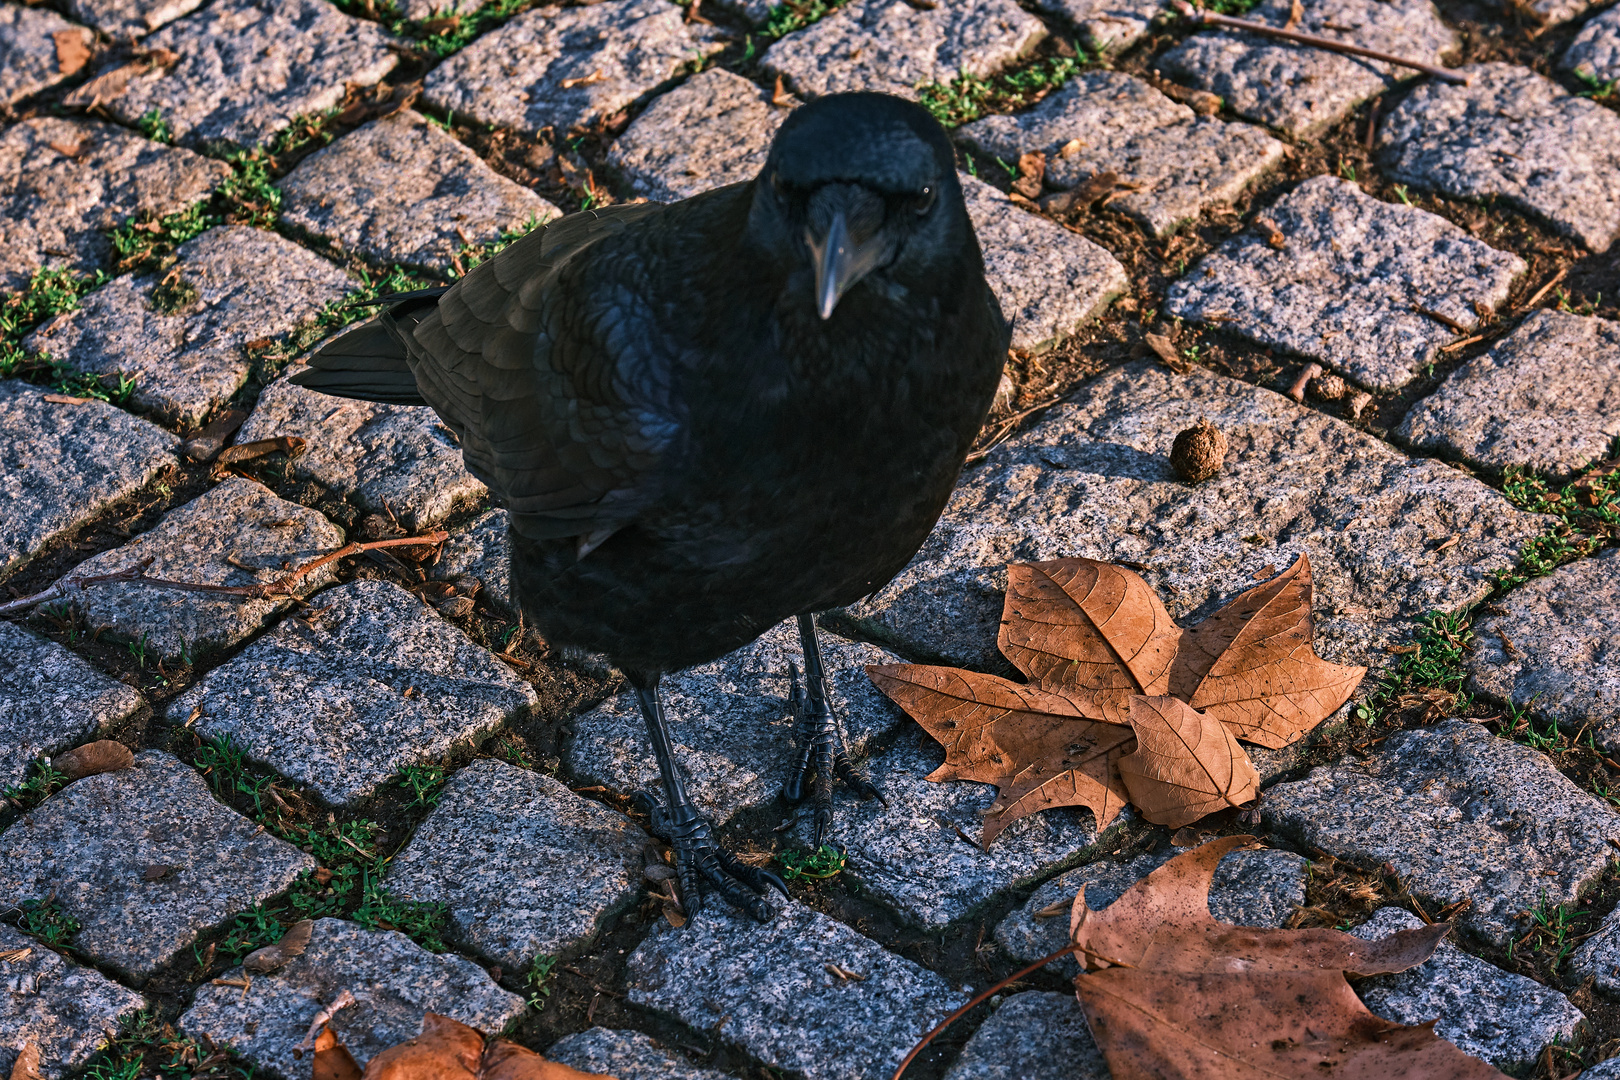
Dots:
{"x": 701, "y": 863}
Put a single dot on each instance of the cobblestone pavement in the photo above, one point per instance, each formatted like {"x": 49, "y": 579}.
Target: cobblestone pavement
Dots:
{"x": 1395, "y": 297}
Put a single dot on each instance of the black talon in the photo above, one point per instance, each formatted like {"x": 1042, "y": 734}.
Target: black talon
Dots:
{"x": 820, "y": 752}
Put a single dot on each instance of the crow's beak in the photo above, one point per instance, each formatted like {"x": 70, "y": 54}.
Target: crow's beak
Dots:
{"x": 840, "y": 261}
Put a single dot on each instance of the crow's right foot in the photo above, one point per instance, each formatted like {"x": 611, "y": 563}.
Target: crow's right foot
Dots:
{"x": 700, "y": 862}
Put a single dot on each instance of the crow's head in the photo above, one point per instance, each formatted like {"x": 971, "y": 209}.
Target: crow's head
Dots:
{"x": 861, "y": 186}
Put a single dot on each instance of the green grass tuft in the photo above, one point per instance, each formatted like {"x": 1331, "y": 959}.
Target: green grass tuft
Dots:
{"x": 969, "y": 97}
{"x": 44, "y": 921}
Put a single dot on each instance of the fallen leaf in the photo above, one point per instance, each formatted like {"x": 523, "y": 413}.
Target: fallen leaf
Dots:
{"x": 289, "y": 948}
{"x": 1165, "y": 350}
{"x": 779, "y": 95}
{"x": 1031, "y": 173}
{"x": 508, "y": 1061}
{"x": 71, "y": 51}
{"x": 291, "y": 445}
{"x": 26, "y": 1067}
{"x": 104, "y": 87}
{"x": 448, "y": 1050}
{"x": 67, "y": 149}
{"x": 1186, "y": 765}
{"x": 67, "y": 399}
{"x": 157, "y": 872}
{"x": 332, "y": 1059}
{"x": 102, "y": 756}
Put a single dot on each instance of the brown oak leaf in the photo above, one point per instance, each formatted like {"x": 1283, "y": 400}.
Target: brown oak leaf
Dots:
{"x": 1186, "y": 765}
{"x": 449, "y": 1050}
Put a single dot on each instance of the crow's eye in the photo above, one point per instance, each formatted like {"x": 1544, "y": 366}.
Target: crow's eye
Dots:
{"x": 924, "y": 201}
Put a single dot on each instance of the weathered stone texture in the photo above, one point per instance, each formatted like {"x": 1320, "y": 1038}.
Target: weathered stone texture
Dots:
{"x": 1300, "y": 90}
{"x": 64, "y": 183}
{"x": 1598, "y": 959}
{"x": 66, "y": 1010}
{"x": 130, "y": 19}
{"x": 730, "y": 722}
{"x": 91, "y": 845}
{"x": 1552, "y": 12}
{"x": 894, "y": 47}
{"x": 1345, "y": 287}
{"x": 1105, "y": 121}
{"x": 50, "y": 701}
{"x": 1094, "y": 479}
{"x": 248, "y": 67}
{"x": 400, "y": 190}
{"x": 1107, "y": 25}
{"x": 1547, "y": 398}
{"x": 62, "y": 464}
{"x": 1460, "y": 815}
{"x": 625, "y": 1055}
{"x": 767, "y": 989}
{"x": 1047, "y": 279}
{"x": 186, "y": 352}
{"x": 1492, "y": 1014}
{"x": 526, "y": 866}
{"x": 1513, "y": 136}
{"x": 1556, "y": 649}
{"x": 479, "y": 551}
{"x": 28, "y": 51}
{"x": 714, "y": 129}
{"x": 560, "y": 67}
{"x": 1595, "y": 52}
{"x": 1032, "y": 1036}
{"x": 366, "y": 682}
{"x": 395, "y": 459}
{"x": 393, "y": 980}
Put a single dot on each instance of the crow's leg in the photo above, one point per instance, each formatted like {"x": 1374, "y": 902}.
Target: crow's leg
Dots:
{"x": 821, "y": 750}
{"x": 698, "y": 857}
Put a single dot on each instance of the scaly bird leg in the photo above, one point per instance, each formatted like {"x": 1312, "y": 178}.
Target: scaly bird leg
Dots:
{"x": 698, "y": 857}
{"x": 821, "y": 751}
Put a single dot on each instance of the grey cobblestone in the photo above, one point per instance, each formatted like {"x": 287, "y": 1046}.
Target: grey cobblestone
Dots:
{"x": 1595, "y": 52}
{"x": 91, "y": 845}
{"x": 1110, "y": 26}
{"x": 65, "y": 1009}
{"x": 130, "y": 19}
{"x": 479, "y": 551}
{"x": 1346, "y": 286}
{"x": 894, "y": 47}
{"x": 1516, "y": 137}
{"x": 28, "y": 52}
{"x": 61, "y": 464}
{"x": 64, "y": 183}
{"x": 561, "y": 67}
{"x": 248, "y": 67}
{"x": 1553, "y": 12}
{"x": 1300, "y": 90}
{"x": 1032, "y": 1036}
{"x": 368, "y": 682}
{"x": 400, "y": 190}
{"x": 51, "y": 700}
{"x": 625, "y": 1055}
{"x": 186, "y": 353}
{"x": 1115, "y": 123}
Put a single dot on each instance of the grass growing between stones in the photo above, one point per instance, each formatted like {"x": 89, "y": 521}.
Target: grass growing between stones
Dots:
{"x": 42, "y": 781}
{"x": 148, "y": 1046}
{"x": 1588, "y": 509}
{"x": 50, "y": 293}
{"x": 784, "y": 19}
{"x": 441, "y": 36}
{"x": 44, "y": 921}
{"x": 969, "y": 97}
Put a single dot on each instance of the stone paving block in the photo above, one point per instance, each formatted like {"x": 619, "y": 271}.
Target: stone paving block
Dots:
{"x": 714, "y": 129}
{"x": 247, "y": 68}
{"x": 1048, "y": 280}
{"x": 50, "y": 701}
{"x": 1460, "y": 814}
{"x": 479, "y": 551}
{"x": 1251, "y": 888}
{"x": 1598, "y": 959}
{"x": 64, "y": 183}
{"x": 91, "y": 844}
{"x": 1556, "y": 648}
{"x": 1035, "y": 1035}
{"x": 893, "y": 47}
{"x": 186, "y": 352}
{"x": 559, "y": 67}
{"x": 1107, "y": 25}
{"x": 1345, "y": 287}
{"x": 1552, "y": 12}
{"x": 365, "y": 681}
{"x": 1300, "y": 90}
{"x": 526, "y": 866}
{"x": 393, "y": 980}
{"x": 66, "y": 1010}
{"x": 400, "y": 190}
{"x": 766, "y": 988}
{"x": 235, "y": 524}
{"x": 1492, "y": 1014}
{"x": 731, "y": 722}
{"x": 130, "y": 19}
{"x": 1547, "y": 397}
{"x": 912, "y": 855}
{"x": 1516, "y": 137}
{"x": 28, "y": 52}
{"x": 1608, "y": 1069}
{"x": 1595, "y": 52}
{"x": 1122, "y": 125}
{"x": 625, "y": 1055}
{"x": 395, "y": 459}
{"x": 60, "y": 465}
{"x": 1094, "y": 479}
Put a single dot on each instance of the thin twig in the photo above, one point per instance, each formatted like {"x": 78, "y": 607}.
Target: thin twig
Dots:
{"x": 324, "y": 1017}
{"x": 1544, "y": 290}
{"x": 280, "y": 587}
{"x": 1209, "y": 18}
{"x": 1005, "y": 428}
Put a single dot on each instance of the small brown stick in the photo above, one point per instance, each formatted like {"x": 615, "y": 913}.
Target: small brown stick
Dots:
{"x": 1444, "y": 320}
{"x": 1544, "y": 290}
{"x": 1209, "y": 18}
{"x": 1309, "y": 372}
{"x": 1005, "y": 428}
{"x": 324, "y": 1017}
{"x": 1455, "y": 345}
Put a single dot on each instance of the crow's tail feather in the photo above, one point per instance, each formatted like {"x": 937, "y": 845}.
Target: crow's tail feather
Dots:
{"x": 370, "y": 362}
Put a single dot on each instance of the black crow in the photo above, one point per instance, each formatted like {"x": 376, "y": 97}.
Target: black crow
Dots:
{"x": 709, "y": 416}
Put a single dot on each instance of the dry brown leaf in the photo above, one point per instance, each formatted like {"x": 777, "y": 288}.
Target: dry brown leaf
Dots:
{"x": 101, "y": 756}
{"x": 1042, "y": 749}
{"x": 26, "y": 1067}
{"x": 509, "y": 1061}
{"x": 286, "y": 444}
{"x": 1089, "y": 629}
{"x": 290, "y": 947}
{"x": 1252, "y": 664}
{"x": 1186, "y": 766}
{"x": 71, "y": 51}
{"x": 104, "y": 87}
{"x": 449, "y": 1050}
{"x": 332, "y": 1059}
